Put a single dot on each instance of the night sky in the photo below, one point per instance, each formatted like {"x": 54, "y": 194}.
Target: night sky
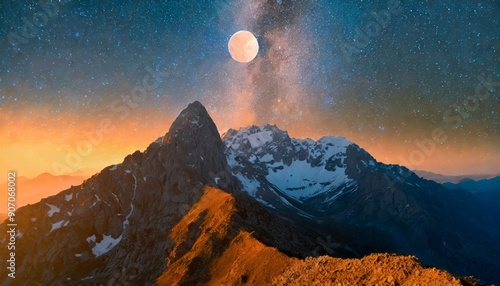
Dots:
{"x": 97, "y": 80}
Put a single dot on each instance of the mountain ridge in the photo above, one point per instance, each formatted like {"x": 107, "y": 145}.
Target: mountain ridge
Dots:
{"x": 478, "y": 186}
{"x": 399, "y": 211}
{"x": 455, "y": 179}
{"x": 174, "y": 213}
{"x": 101, "y": 221}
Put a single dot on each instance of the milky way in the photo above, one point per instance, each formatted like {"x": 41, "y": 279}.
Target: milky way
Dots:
{"x": 413, "y": 82}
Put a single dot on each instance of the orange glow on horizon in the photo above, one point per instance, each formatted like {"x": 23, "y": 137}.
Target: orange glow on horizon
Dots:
{"x": 40, "y": 143}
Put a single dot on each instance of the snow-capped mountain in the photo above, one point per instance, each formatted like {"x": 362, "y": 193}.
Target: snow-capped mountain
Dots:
{"x": 174, "y": 214}
{"x": 138, "y": 220}
{"x": 335, "y": 188}
{"x": 292, "y": 169}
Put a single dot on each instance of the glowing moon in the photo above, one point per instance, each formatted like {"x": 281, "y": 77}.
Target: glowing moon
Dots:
{"x": 243, "y": 46}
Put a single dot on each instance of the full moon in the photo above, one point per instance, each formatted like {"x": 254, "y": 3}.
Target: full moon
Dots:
{"x": 243, "y": 46}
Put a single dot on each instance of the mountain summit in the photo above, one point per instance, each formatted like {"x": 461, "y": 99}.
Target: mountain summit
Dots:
{"x": 179, "y": 214}
{"x": 118, "y": 221}
{"x": 193, "y": 142}
{"x": 122, "y": 225}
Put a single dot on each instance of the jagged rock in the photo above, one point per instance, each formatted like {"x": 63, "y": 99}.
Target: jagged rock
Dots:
{"x": 161, "y": 214}
{"x": 117, "y": 222}
{"x": 332, "y": 187}
{"x": 120, "y": 213}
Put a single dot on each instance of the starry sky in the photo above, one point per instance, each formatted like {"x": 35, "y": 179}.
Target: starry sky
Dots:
{"x": 84, "y": 83}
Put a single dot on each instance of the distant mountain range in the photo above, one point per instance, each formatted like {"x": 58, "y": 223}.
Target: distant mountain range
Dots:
{"x": 487, "y": 190}
{"x": 195, "y": 209}
{"x": 485, "y": 185}
{"x": 30, "y": 191}
{"x": 454, "y": 179}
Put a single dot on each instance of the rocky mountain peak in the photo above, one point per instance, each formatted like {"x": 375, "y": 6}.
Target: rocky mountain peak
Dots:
{"x": 194, "y": 142}
{"x": 190, "y": 122}
{"x": 156, "y": 218}
{"x": 124, "y": 213}
{"x": 268, "y": 132}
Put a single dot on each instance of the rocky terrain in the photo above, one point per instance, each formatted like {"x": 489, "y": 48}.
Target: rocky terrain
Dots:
{"x": 375, "y": 269}
{"x": 117, "y": 221}
{"x": 336, "y": 189}
{"x": 175, "y": 215}
{"x": 209, "y": 248}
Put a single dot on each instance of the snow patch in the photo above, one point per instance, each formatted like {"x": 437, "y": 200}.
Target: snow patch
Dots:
{"x": 106, "y": 244}
{"x": 266, "y": 158}
{"x": 113, "y": 168}
{"x": 53, "y": 210}
{"x": 115, "y": 197}
{"x": 57, "y": 225}
{"x": 90, "y": 238}
{"x": 343, "y": 192}
{"x": 258, "y": 139}
{"x": 265, "y": 203}
{"x": 249, "y": 185}
{"x": 300, "y": 180}
{"x": 68, "y": 197}
{"x": 126, "y": 221}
